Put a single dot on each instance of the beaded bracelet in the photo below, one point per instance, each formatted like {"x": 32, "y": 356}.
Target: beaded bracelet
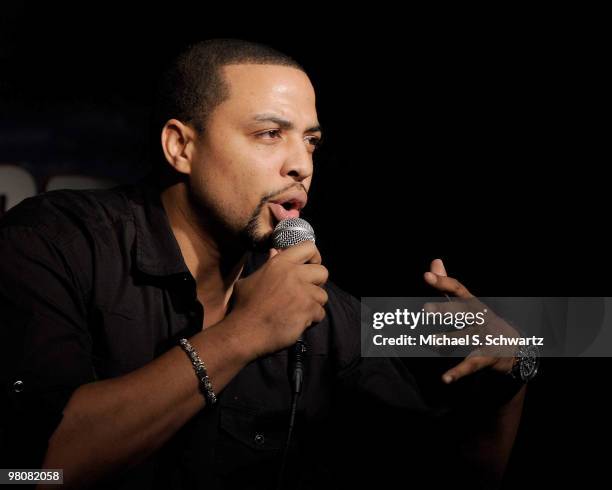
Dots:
{"x": 200, "y": 369}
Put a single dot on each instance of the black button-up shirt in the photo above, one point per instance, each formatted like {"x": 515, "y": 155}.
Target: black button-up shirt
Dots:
{"x": 93, "y": 285}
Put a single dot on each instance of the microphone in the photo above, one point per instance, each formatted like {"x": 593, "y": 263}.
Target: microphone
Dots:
{"x": 289, "y": 232}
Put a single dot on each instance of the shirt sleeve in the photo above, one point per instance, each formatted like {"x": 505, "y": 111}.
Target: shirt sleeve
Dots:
{"x": 45, "y": 345}
{"x": 389, "y": 421}
{"x": 383, "y": 381}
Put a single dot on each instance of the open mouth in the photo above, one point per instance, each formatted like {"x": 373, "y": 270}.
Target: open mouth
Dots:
{"x": 284, "y": 210}
{"x": 288, "y": 205}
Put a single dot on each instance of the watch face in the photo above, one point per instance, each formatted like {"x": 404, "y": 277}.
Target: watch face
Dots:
{"x": 528, "y": 364}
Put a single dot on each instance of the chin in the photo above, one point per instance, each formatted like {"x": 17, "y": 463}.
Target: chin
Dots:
{"x": 257, "y": 235}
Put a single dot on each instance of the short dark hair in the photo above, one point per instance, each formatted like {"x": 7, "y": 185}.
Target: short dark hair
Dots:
{"x": 192, "y": 84}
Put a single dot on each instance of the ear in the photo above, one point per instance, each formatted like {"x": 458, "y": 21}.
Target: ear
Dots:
{"x": 178, "y": 143}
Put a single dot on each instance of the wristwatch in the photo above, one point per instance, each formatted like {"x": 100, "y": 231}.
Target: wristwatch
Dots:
{"x": 526, "y": 363}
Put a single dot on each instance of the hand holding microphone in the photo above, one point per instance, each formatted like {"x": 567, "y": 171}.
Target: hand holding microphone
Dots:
{"x": 284, "y": 296}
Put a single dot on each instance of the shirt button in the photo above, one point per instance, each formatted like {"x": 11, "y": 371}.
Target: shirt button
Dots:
{"x": 18, "y": 386}
{"x": 259, "y": 439}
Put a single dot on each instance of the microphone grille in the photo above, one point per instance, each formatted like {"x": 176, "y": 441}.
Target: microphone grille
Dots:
{"x": 289, "y": 232}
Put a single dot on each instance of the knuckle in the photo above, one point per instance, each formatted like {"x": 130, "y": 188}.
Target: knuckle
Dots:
{"x": 322, "y": 314}
{"x": 472, "y": 361}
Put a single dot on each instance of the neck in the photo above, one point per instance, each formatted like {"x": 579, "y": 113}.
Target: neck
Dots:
{"x": 214, "y": 268}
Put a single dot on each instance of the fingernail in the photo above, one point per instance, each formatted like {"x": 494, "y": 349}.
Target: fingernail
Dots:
{"x": 447, "y": 378}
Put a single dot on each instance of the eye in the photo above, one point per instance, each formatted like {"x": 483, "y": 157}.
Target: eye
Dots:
{"x": 269, "y": 134}
{"x": 313, "y": 141}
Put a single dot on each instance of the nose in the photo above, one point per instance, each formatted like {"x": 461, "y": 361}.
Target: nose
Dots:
{"x": 298, "y": 163}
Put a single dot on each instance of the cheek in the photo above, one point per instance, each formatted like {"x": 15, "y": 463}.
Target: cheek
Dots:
{"x": 236, "y": 174}
{"x": 234, "y": 163}
{"x": 233, "y": 191}
{"x": 307, "y": 181}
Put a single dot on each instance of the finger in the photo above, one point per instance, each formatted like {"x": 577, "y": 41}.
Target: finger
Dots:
{"x": 314, "y": 274}
{"x": 437, "y": 267}
{"x": 318, "y": 294}
{"x": 454, "y": 307}
{"x": 440, "y": 347}
{"x": 447, "y": 285}
{"x": 320, "y": 314}
{"x": 462, "y": 315}
{"x": 305, "y": 252}
{"x": 461, "y": 305}
{"x": 469, "y": 365}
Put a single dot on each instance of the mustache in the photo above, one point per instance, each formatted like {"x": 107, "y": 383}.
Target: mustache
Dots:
{"x": 272, "y": 195}
{"x": 251, "y": 227}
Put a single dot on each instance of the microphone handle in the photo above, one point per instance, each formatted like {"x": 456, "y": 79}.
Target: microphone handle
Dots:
{"x": 298, "y": 352}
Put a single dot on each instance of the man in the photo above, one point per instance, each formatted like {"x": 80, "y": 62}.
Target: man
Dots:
{"x": 99, "y": 286}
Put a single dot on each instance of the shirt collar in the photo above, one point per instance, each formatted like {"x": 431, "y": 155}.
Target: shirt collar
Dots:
{"x": 157, "y": 251}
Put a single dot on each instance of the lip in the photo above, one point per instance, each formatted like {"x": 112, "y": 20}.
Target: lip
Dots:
{"x": 280, "y": 213}
{"x": 296, "y": 198}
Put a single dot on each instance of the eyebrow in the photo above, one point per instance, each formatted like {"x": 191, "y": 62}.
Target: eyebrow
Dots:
{"x": 284, "y": 123}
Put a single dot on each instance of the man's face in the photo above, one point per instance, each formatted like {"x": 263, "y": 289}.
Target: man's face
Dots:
{"x": 257, "y": 147}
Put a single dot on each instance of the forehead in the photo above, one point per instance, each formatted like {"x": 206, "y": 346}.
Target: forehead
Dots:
{"x": 283, "y": 90}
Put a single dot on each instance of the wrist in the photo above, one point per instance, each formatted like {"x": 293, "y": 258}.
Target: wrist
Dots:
{"x": 238, "y": 337}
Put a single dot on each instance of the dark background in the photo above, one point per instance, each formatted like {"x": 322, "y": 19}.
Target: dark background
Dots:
{"x": 477, "y": 137}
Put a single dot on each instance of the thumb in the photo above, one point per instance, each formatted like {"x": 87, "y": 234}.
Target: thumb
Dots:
{"x": 437, "y": 267}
